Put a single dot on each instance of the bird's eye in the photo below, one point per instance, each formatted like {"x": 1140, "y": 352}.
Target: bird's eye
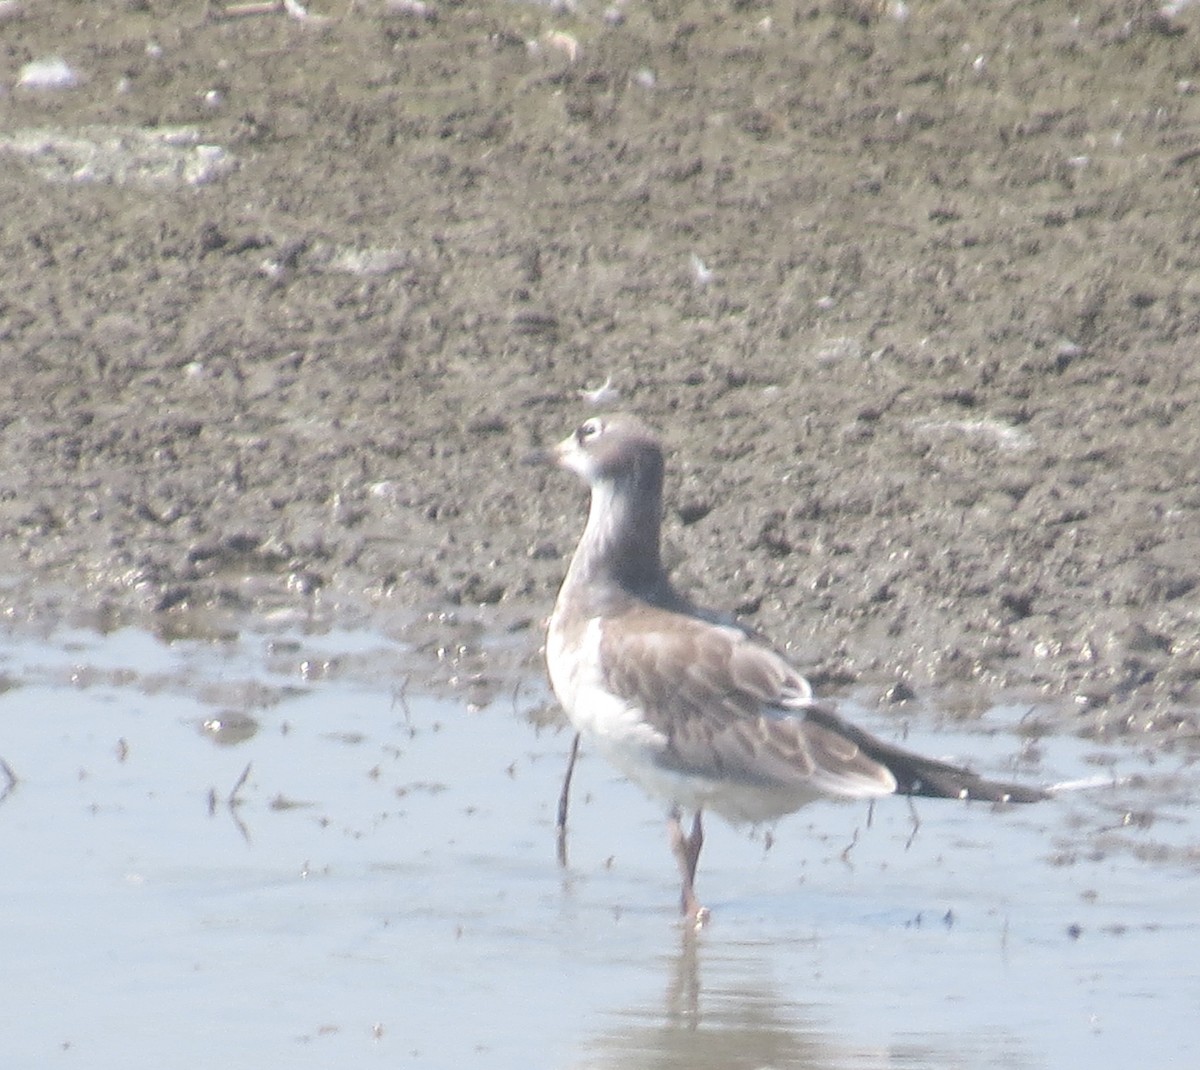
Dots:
{"x": 588, "y": 430}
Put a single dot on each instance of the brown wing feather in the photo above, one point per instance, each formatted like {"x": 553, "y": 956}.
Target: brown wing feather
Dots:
{"x": 729, "y": 708}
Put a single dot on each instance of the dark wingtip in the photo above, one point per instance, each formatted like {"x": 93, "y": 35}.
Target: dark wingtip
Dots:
{"x": 932, "y": 779}
{"x": 960, "y": 783}
{"x": 927, "y": 777}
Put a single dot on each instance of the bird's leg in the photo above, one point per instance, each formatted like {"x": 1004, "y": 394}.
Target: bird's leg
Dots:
{"x": 687, "y": 853}
{"x": 563, "y": 800}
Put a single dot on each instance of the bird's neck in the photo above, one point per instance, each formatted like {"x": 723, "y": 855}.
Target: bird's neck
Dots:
{"x": 619, "y": 551}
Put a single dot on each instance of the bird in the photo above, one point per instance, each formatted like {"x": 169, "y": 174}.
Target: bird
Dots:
{"x": 698, "y": 711}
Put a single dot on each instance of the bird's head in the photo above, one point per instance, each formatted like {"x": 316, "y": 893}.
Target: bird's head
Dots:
{"x": 616, "y": 448}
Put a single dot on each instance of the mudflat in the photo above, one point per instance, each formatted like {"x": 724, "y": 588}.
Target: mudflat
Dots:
{"x": 911, "y": 290}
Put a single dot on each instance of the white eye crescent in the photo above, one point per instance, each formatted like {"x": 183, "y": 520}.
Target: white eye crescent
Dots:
{"x": 588, "y": 430}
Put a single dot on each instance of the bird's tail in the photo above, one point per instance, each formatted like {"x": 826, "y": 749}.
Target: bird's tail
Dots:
{"x": 928, "y": 777}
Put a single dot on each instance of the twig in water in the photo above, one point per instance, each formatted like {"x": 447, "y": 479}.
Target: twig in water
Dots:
{"x": 233, "y": 801}
{"x": 10, "y": 779}
{"x": 400, "y": 698}
{"x": 916, "y": 822}
{"x": 850, "y": 847}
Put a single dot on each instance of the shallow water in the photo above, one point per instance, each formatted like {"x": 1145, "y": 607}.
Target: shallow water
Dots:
{"x": 381, "y": 887}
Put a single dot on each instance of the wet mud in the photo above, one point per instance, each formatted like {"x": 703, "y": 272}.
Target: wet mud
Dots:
{"x": 910, "y": 290}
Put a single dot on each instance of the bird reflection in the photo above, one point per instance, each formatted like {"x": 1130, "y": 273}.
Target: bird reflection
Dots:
{"x": 741, "y": 1023}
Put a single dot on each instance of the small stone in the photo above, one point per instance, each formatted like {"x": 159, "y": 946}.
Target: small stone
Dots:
{"x": 899, "y": 692}
{"x": 52, "y": 73}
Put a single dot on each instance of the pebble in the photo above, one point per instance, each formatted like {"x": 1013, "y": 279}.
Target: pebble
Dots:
{"x": 52, "y": 73}
{"x": 416, "y": 9}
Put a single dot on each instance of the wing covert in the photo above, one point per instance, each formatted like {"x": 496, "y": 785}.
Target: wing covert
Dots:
{"x": 729, "y": 707}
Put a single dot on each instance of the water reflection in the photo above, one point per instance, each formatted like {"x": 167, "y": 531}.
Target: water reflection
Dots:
{"x": 737, "y": 1020}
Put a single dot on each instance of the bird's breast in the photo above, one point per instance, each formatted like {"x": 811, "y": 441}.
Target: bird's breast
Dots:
{"x": 613, "y": 721}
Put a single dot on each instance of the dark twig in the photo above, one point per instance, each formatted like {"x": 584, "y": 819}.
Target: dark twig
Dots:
{"x": 916, "y": 822}
{"x": 232, "y": 801}
{"x": 400, "y": 698}
{"x": 10, "y": 779}
{"x": 850, "y": 847}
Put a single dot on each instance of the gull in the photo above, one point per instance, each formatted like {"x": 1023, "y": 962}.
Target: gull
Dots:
{"x": 692, "y": 708}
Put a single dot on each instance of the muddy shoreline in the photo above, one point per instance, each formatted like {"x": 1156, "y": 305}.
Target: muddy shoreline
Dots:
{"x": 910, "y": 292}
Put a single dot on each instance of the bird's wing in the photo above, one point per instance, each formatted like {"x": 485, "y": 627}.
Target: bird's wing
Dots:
{"x": 729, "y": 707}
{"x": 917, "y": 775}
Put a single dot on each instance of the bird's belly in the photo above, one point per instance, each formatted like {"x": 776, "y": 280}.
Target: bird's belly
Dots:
{"x": 620, "y": 734}
{"x": 739, "y": 802}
